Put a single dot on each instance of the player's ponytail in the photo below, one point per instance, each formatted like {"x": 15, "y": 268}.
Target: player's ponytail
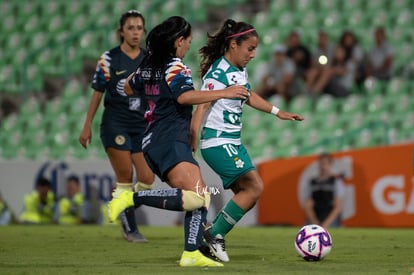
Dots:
{"x": 218, "y": 43}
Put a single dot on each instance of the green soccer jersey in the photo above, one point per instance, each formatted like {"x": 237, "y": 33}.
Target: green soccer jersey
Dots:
{"x": 222, "y": 123}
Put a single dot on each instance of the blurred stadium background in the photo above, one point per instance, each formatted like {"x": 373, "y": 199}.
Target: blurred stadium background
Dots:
{"x": 49, "y": 50}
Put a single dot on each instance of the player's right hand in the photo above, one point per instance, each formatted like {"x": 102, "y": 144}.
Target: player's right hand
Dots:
{"x": 237, "y": 91}
{"x": 85, "y": 137}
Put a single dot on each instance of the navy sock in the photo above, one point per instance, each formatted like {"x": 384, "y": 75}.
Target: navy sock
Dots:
{"x": 128, "y": 220}
{"x": 194, "y": 223}
{"x": 170, "y": 199}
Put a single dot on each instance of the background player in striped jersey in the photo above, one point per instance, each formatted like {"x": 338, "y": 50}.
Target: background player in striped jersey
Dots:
{"x": 123, "y": 123}
{"x": 224, "y": 59}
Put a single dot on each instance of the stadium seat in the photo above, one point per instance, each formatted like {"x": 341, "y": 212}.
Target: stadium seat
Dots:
{"x": 325, "y": 104}
{"x": 376, "y": 103}
{"x": 6, "y": 7}
{"x": 352, "y": 103}
{"x": 31, "y": 8}
{"x": 364, "y": 139}
{"x": 286, "y": 20}
{"x": 278, "y": 7}
{"x": 396, "y": 87}
{"x": 308, "y": 19}
{"x": 375, "y": 5}
{"x": 33, "y": 152}
{"x": 400, "y": 4}
{"x": 403, "y": 18}
{"x": 300, "y": 103}
{"x": 382, "y": 18}
{"x": 33, "y": 23}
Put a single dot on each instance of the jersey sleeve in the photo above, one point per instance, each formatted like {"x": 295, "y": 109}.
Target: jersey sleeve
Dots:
{"x": 102, "y": 74}
{"x": 212, "y": 84}
{"x": 214, "y": 80}
{"x": 178, "y": 77}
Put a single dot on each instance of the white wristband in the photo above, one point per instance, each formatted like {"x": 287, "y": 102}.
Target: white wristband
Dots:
{"x": 275, "y": 110}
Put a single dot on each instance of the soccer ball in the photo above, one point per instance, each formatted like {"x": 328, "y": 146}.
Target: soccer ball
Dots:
{"x": 313, "y": 242}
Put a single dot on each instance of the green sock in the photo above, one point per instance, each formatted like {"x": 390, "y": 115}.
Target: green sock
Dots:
{"x": 226, "y": 219}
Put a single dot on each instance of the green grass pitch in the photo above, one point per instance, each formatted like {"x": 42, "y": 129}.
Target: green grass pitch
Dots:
{"x": 252, "y": 250}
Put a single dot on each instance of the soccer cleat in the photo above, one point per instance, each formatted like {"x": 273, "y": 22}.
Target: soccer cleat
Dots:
{"x": 216, "y": 244}
{"x": 206, "y": 251}
{"x": 121, "y": 199}
{"x": 196, "y": 259}
{"x": 133, "y": 237}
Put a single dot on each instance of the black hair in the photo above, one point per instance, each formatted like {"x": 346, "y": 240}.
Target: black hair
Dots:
{"x": 160, "y": 42}
{"x": 348, "y": 49}
{"x": 43, "y": 182}
{"x": 325, "y": 155}
{"x": 218, "y": 43}
{"x": 73, "y": 178}
{"x": 124, "y": 17}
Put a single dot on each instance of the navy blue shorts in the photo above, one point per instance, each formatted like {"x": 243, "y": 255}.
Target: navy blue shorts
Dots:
{"x": 122, "y": 139}
{"x": 161, "y": 159}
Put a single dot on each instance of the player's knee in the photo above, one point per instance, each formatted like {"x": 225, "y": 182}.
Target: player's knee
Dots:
{"x": 192, "y": 200}
{"x": 255, "y": 190}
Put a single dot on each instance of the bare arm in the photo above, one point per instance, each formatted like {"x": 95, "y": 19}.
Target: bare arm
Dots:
{"x": 127, "y": 88}
{"x": 257, "y": 102}
{"x": 387, "y": 63}
{"x": 196, "y": 121}
{"x": 310, "y": 213}
{"x": 86, "y": 134}
{"x": 198, "y": 97}
{"x": 336, "y": 211}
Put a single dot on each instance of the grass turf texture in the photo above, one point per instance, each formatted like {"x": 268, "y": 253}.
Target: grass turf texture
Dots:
{"x": 256, "y": 250}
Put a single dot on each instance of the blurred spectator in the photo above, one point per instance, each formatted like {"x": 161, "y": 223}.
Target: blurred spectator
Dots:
{"x": 5, "y": 213}
{"x": 279, "y": 75}
{"x": 380, "y": 57}
{"x": 72, "y": 208}
{"x": 323, "y": 53}
{"x": 299, "y": 53}
{"x": 321, "y": 58}
{"x": 337, "y": 78}
{"x": 39, "y": 205}
{"x": 325, "y": 195}
{"x": 354, "y": 51}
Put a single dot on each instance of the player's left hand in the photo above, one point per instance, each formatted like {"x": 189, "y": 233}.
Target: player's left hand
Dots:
{"x": 288, "y": 116}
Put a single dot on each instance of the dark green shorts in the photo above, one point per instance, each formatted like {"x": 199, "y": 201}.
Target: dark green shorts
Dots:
{"x": 229, "y": 161}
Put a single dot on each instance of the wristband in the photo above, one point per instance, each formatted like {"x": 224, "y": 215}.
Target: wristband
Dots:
{"x": 275, "y": 110}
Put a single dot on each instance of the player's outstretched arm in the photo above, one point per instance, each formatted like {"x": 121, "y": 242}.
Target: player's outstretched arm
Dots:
{"x": 194, "y": 97}
{"x": 257, "y": 102}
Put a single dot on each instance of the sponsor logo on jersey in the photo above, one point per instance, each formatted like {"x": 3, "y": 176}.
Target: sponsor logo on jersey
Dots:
{"x": 210, "y": 86}
{"x": 236, "y": 78}
{"x": 120, "y": 72}
{"x": 120, "y": 140}
{"x": 134, "y": 104}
